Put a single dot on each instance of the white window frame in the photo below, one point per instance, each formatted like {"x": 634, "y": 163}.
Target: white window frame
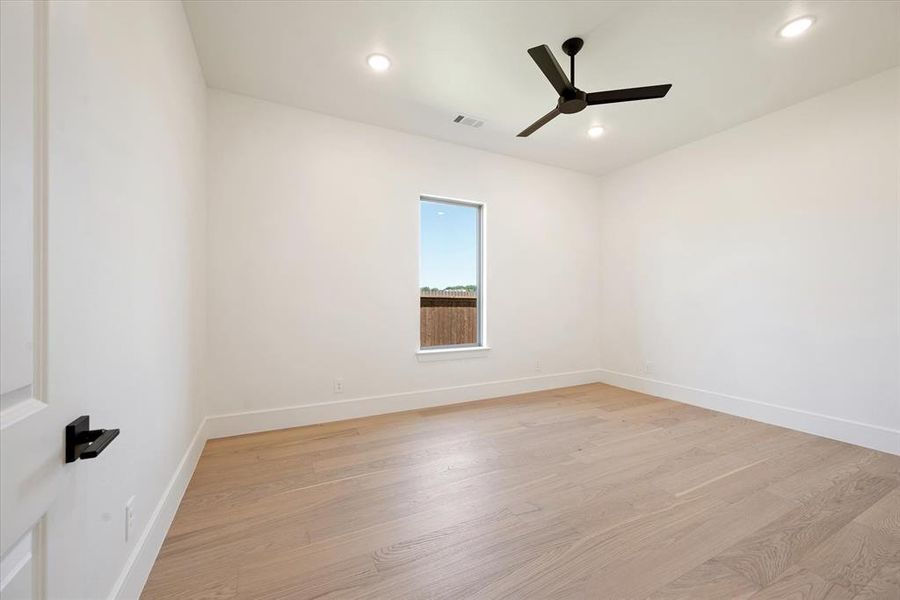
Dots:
{"x": 458, "y": 350}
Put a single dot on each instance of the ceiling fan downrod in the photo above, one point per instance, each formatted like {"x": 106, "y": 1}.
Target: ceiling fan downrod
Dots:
{"x": 571, "y": 47}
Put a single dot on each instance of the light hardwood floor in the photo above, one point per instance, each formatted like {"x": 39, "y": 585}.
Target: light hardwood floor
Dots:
{"x": 584, "y": 492}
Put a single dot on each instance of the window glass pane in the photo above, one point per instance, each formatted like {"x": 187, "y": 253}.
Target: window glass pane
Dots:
{"x": 448, "y": 274}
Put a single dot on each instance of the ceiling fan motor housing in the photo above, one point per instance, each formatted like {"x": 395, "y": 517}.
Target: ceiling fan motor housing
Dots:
{"x": 573, "y": 102}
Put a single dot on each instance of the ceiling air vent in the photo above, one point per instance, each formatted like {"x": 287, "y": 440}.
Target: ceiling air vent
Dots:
{"x": 468, "y": 121}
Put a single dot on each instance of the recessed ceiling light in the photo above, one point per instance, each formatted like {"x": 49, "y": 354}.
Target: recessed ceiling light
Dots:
{"x": 595, "y": 131}
{"x": 379, "y": 62}
{"x": 796, "y": 27}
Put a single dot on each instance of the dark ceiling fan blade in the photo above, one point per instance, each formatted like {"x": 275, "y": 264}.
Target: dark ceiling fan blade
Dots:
{"x": 551, "y": 69}
{"x": 629, "y": 94}
{"x": 539, "y": 123}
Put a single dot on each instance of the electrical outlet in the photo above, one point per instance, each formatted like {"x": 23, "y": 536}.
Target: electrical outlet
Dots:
{"x": 649, "y": 367}
{"x": 338, "y": 385}
{"x": 537, "y": 366}
{"x": 129, "y": 518}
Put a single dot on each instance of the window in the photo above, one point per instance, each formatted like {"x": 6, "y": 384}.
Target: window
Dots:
{"x": 451, "y": 290}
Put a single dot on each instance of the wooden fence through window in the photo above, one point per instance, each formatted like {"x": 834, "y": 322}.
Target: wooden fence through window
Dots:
{"x": 447, "y": 318}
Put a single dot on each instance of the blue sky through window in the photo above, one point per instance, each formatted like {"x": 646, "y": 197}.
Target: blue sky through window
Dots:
{"x": 449, "y": 252}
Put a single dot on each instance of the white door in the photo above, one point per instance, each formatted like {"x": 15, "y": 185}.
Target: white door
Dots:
{"x": 31, "y": 444}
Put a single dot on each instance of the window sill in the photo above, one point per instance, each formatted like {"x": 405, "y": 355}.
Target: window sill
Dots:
{"x": 452, "y": 353}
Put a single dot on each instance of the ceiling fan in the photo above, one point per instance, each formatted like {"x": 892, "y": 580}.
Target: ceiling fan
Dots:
{"x": 571, "y": 99}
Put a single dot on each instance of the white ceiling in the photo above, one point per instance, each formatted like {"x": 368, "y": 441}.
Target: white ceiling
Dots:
{"x": 724, "y": 60}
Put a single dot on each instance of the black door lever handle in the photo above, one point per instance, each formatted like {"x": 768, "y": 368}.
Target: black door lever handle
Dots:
{"x": 83, "y": 442}
{"x": 96, "y": 447}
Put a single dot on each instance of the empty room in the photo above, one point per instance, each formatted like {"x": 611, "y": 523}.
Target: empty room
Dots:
{"x": 524, "y": 300}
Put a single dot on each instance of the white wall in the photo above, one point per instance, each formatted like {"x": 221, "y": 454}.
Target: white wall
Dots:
{"x": 314, "y": 259}
{"x": 762, "y": 264}
{"x": 126, "y": 269}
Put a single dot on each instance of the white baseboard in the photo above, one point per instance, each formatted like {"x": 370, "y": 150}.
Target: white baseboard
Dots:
{"x": 875, "y": 437}
{"x": 137, "y": 568}
{"x": 351, "y": 408}
{"x": 844, "y": 430}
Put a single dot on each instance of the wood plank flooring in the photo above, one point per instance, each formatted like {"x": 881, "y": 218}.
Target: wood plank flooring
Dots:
{"x": 584, "y": 492}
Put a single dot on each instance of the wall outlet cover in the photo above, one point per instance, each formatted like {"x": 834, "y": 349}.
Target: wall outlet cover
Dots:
{"x": 129, "y": 518}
